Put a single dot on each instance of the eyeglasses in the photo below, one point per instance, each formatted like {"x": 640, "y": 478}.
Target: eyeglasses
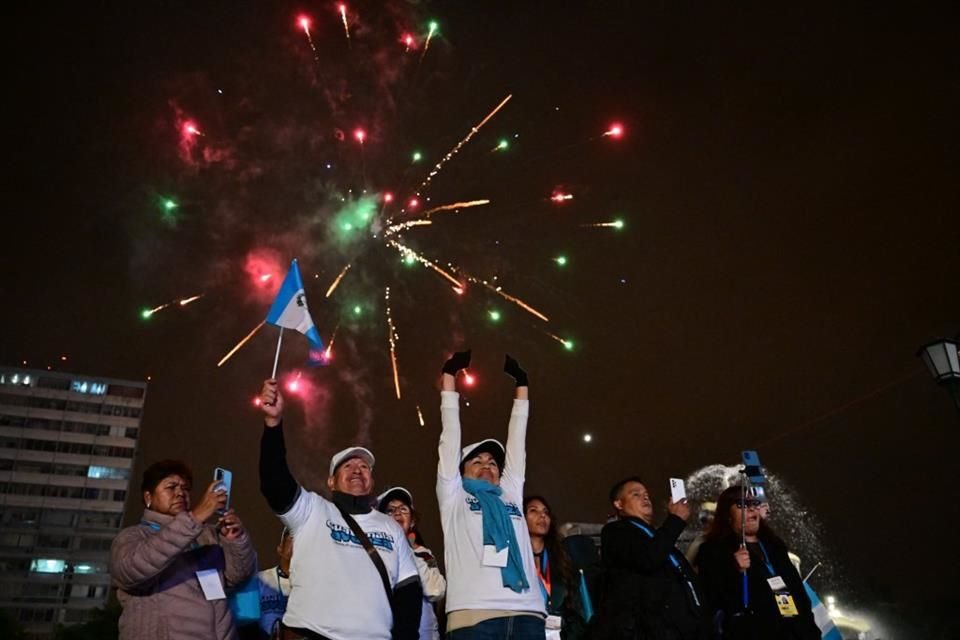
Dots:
{"x": 402, "y": 510}
{"x": 749, "y": 504}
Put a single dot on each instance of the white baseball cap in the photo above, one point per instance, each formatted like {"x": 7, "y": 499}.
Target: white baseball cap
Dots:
{"x": 350, "y": 452}
{"x": 394, "y": 493}
{"x": 490, "y": 445}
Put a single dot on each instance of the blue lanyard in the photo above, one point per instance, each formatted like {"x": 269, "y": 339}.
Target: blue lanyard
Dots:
{"x": 673, "y": 560}
{"x": 156, "y": 527}
{"x": 152, "y": 525}
{"x": 646, "y": 530}
{"x": 766, "y": 559}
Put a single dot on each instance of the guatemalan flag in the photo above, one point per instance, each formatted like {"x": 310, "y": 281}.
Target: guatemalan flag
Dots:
{"x": 828, "y": 630}
{"x": 289, "y": 310}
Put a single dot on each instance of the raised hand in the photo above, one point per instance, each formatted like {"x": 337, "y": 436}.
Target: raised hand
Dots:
{"x": 214, "y": 499}
{"x": 512, "y": 368}
{"x": 680, "y": 509}
{"x": 457, "y": 362}
{"x": 271, "y": 403}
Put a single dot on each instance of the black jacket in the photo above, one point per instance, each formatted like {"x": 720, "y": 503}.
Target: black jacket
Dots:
{"x": 646, "y": 595}
{"x": 723, "y": 584}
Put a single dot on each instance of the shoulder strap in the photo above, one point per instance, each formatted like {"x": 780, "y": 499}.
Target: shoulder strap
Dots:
{"x": 374, "y": 556}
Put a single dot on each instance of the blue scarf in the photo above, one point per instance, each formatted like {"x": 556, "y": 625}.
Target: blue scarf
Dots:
{"x": 498, "y": 531}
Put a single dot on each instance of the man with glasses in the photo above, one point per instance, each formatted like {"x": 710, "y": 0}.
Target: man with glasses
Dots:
{"x": 649, "y": 591}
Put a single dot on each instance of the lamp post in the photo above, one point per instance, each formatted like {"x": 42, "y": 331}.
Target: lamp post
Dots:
{"x": 944, "y": 364}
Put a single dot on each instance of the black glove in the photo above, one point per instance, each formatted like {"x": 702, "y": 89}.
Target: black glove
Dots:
{"x": 512, "y": 368}
{"x": 457, "y": 362}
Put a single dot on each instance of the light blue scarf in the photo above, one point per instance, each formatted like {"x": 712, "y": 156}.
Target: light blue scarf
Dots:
{"x": 498, "y": 531}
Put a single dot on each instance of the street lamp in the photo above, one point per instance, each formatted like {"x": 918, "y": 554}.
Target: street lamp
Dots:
{"x": 944, "y": 364}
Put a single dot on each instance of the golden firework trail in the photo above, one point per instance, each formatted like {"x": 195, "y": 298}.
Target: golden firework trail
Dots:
{"x": 566, "y": 343}
{"x": 403, "y": 226}
{"x": 453, "y": 152}
{"x": 187, "y": 301}
{"x": 150, "y": 312}
{"x": 328, "y": 352}
{"x": 241, "y": 343}
{"x": 337, "y": 280}
{"x": 506, "y": 296}
{"x": 616, "y": 224}
{"x": 420, "y": 416}
{"x": 407, "y": 251}
{"x": 343, "y": 16}
{"x": 456, "y": 205}
{"x": 393, "y": 339}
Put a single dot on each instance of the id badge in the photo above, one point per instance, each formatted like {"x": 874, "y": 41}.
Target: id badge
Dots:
{"x": 786, "y": 605}
{"x": 777, "y": 584}
{"x": 494, "y": 558}
{"x": 211, "y": 585}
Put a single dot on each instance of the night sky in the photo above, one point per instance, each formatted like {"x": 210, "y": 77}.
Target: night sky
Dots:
{"x": 788, "y": 186}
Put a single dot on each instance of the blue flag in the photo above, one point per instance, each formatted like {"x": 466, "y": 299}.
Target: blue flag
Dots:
{"x": 289, "y": 310}
{"x": 828, "y": 630}
{"x": 585, "y": 598}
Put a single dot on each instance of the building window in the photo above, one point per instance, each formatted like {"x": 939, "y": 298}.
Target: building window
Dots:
{"x": 90, "y": 567}
{"x": 114, "y": 473}
{"x": 96, "y": 520}
{"x": 92, "y": 388}
{"x": 47, "y": 565}
{"x": 36, "y": 615}
{"x": 57, "y": 517}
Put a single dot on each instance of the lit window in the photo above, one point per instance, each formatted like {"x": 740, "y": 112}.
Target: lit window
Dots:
{"x": 84, "y": 568}
{"x": 46, "y": 565}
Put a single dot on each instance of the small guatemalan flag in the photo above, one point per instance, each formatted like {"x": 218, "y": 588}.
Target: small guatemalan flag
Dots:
{"x": 289, "y": 310}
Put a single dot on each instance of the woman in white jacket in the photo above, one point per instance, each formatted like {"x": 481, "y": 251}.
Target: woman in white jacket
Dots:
{"x": 492, "y": 589}
{"x": 398, "y": 504}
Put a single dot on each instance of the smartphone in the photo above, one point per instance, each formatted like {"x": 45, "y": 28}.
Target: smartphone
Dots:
{"x": 752, "y": 468}
{"x": 224, "y": 477}
{"x": 678, "y": 491}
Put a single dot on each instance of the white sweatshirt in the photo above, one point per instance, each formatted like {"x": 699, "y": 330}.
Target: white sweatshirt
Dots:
{"x": 470, "y": 584}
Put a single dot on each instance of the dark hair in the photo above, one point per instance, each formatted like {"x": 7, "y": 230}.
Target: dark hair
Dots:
{"x": 560, "y": 563}
{"x": 414, "y": 521}
{"x": 722, "y": 526}
{"x": 160, "y": 470}
{"x": 617, "y": 488}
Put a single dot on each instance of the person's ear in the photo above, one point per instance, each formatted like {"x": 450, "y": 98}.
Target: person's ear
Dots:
{"x": 330, "y": 483}
{"x": 147, "y": 499}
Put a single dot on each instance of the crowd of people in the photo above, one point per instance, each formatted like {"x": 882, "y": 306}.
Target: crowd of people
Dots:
{"x": 353, "y": 565}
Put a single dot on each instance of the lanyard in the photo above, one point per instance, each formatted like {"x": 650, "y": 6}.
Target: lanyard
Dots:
{"x": 766, "y": 559}
{"x": 649, "y": 532}
{"x": 543, "y": 572}
{"x": 156, "y": 527}
{"x": 673, "y": 560}
{"x": 280, "y": 589}
{"x": 152, "y": 525}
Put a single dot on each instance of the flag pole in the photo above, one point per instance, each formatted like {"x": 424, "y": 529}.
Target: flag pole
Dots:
{"x": 743, "y": 534}
{"x": 276, "y": 357}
